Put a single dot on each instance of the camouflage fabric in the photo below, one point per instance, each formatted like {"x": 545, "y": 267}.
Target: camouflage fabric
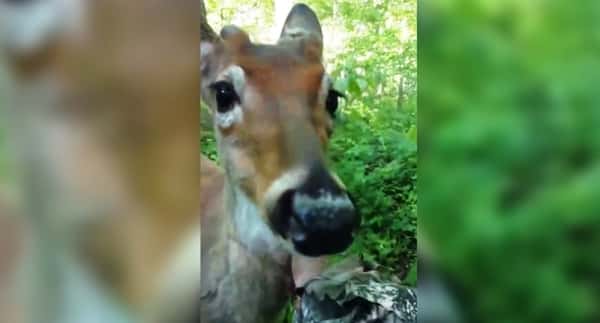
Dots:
{"x": 356, "y": 297}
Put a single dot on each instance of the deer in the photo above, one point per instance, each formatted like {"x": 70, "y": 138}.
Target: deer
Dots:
{"x": 274, "y": 210}
{"x": 103, "y": 117}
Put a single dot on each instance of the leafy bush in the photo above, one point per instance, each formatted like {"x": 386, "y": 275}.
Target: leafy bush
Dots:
{"x": 377, "y": 161}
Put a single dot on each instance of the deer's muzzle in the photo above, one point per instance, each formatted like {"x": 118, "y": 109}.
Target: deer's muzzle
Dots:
{"x": 318, "y": 217}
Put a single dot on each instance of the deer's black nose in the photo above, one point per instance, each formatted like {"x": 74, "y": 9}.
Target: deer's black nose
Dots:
{"x": 321, "y": 216}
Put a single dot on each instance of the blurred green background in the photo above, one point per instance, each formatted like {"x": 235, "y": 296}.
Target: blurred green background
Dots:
{"x": 370, "y": 52}
{"x": 6, "y": 175}
{"x": 508, "y": 156}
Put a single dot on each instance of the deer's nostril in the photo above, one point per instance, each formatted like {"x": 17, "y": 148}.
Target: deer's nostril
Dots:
{"x": 282, "y": 213}
{"x": 297, "y": 231}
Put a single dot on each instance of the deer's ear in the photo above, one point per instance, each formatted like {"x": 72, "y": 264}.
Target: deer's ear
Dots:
{"x": 235, "y": 38}
{"x": 303, "y": 25}
{"x": 209, "y": 64}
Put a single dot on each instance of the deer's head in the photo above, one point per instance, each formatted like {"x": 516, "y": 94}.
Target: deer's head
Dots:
{"x": 273, "y": 111}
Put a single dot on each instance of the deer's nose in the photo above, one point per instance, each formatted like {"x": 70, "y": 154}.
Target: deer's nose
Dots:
{"x": 321, "y": 225}
{"x": 322, "y": 217}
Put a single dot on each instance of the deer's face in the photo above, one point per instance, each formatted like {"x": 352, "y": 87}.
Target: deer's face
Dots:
{"x": 273, "y": 107}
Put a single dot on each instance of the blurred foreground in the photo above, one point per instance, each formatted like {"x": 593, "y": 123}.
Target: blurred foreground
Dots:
{"x": 100, "y": 164}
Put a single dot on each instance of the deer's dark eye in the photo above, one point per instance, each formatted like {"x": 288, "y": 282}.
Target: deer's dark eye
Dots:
{"x": 332, "y": 101}
{"x": 225, "y": 95}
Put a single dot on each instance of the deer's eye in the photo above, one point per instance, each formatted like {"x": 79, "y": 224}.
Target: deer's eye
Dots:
{"x": 331, "y": 103}
{"x": 225, "y": 95}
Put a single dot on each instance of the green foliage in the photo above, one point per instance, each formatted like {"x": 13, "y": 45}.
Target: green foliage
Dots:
{"x": 376, "y": 159}
{"x": 6, "y": 175}
{"x": 252, "y": 15}
{"x": 3, "y": 166}
{"x": 208, "y": 143}
{"x": 509, "y": 155}
{"x": 374, "y": 148}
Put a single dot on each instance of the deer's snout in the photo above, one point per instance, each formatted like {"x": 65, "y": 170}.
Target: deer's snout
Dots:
{"x": 320, "y": 217}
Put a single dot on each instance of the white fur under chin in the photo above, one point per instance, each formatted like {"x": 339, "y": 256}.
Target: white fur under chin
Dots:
{"x": 227, "y": 119}
{"x": 256, "y": 235}
{"x": 251, "y": 228}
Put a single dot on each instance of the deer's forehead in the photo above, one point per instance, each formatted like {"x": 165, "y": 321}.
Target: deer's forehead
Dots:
{"x": 279, "y": 80}
{"x": 277, "y": 69}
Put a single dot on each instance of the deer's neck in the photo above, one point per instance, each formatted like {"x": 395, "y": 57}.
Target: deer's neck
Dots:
{"x": 251, "y": 279}
{"x": 248, "y": 227}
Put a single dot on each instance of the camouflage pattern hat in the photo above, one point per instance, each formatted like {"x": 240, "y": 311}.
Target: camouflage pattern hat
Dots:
{"x": 356, "y": 297}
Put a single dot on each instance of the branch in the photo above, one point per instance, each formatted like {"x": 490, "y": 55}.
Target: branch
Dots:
{"x": 206, "y": 32}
